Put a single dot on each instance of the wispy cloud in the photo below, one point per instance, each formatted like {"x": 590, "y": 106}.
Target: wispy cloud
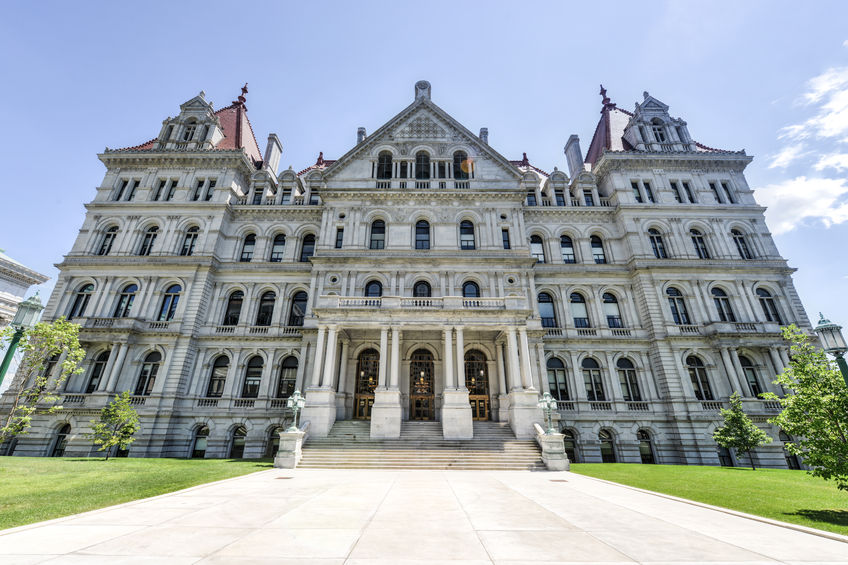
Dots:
{"x": 794, "y": 202}
{"x": 788, "y": 155}
{"x": 837, "y": 161}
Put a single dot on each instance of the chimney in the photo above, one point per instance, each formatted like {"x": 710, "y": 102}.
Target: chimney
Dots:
{"x": 273, "y": 151}
{"x": 360, "y": 135}
{"x": 574, "y": 156}
{"x": 484, "y": 135}
{"x": 422, "y": 90}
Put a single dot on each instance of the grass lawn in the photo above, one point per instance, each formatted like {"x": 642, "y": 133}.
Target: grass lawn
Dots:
{"x": 40, "y": 488}
{"x": 790, "y": 496}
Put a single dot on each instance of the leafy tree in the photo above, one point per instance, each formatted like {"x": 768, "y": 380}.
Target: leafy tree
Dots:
{"x": 117, "y": 426}
{"x": 40, "y": 377}
{"x": 738, "y": 431}
{"x": 815, "y": 411}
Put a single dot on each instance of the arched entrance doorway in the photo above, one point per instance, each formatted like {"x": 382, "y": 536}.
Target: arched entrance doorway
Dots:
{"x": 477, "y": 383}
{"x": 421, "y": 390}
{"x": 367, "y": 370}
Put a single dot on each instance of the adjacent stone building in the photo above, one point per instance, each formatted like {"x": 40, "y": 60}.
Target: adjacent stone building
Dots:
{"x": 424, "y": 276}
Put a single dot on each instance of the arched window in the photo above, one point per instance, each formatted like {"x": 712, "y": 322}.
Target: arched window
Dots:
{"x": 169, "y": 303}
{"x": 96, "y": 374}
{"x": 466, "y": 235}
{"x": 698, "y": 375}
{"x": 125, "y": 301}
{"x": 266, "y": 309}
{"x": 579, "y": 313}
{"x": 218, "y": 377}
{"x": 646, "y": 451}
{"x": 384, "y": 165}
{"x": 247, "y": 248}
{"x": 751, "y": 377}
{"x": 598, "y": 250}
{"x": 422, "y": 290}
{"x": 461, "y": 165}
{"x": 252, "y": 377}
{"x": 557, "y": 380}
{"x": 233, "y": 312}
{"x": 189, "y": 241}
{"x": 607, "y": 446}
{"x": 147, "y": 240}
{"x": 537, "y": 248}
{"x": 278, "y": 248}
{"x": 470, "y": 290}
{"x": 273, "y": 444}
{"x": 298, "y": 308}
{"x": 547, "y": 311}
{"x": 566, "y": 247}
{"x": 201, "y": 438}
{"x": 378, "y": 234}
{"x": 477, "y": 381}
{"x": 722, "y": 304}
{"x": 657, "y": 244}
{"x": 700, "y": 245}
{"x": 147, "y": 377}
{"x": 628, "y": 381}
{"x": 611, "y": 310}
{"x": 679, "y": 313}
{"x": 570, "y": 445}
{"x": 61, "y": 441}
{"x": 188, "y": 132}
{"x": 307, "y": 249}
{"x": 791, "y": 459}
{"x": 658, "y": 130}
{"x": 237, "y": 443}
{"x": 81, "y": 299}
{"x": 108, "y": 240}
{"x": 769, "y": 307}
{"x": 741, "y": 244}
{"x": 422, "y": 235}
{"x": 422, "y": 166}
{"x": 374, "y": 289}
{"x": 592, "y": 380}
{"x": 288, "y": 377}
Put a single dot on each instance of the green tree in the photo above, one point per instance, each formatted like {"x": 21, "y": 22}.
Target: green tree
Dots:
{"x": 739, "y": 432}
{"x": 117, "y": 425}
{"x": 815, "y": 412}
{"x": 40, "y": 376}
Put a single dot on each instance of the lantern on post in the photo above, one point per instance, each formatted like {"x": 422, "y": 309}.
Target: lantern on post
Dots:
{"x": 548, "y": 404}
{"x": 25, "y": 318}
{"x": 833, "y": 342}
{"x": 295, "y": 402}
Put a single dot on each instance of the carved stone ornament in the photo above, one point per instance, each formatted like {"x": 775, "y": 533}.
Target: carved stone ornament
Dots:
{"x": 422, "y": 127}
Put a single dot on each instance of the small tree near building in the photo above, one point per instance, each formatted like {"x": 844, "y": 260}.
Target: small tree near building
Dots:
{"x": 117, "y": 425}
{"x": 739, "y": 432}
{"x": 815, "y": 410}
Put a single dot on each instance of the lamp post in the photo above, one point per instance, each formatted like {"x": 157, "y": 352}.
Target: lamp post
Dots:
{"x": 833, "y": 343}
{"x": 24, "y": 319}
{"x": 548, "y": 403}
{"x": 295, "y": 402}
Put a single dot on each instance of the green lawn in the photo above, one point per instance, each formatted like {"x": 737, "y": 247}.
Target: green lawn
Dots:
{"x": 790, "y": 496}
{"x": 39, "y": 488}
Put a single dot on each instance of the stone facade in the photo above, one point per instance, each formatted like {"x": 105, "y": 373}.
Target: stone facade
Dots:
{"x": 422, "y": 275}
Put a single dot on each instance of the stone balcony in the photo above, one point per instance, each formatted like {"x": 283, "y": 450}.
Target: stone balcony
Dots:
{"x": 736, "y": 328}
{"x": 129, "y": 325}
{"x": 604, "y": 333}
{"x": 253, "y": 331}
{"x": 709, "y": 408}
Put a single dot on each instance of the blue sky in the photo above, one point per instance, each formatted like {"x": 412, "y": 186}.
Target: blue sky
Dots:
{"x": 769, "y": 77}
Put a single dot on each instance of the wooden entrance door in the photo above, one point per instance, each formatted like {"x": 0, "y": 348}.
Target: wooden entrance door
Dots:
{"x": 421, "y": 389}
{"x": 477, "y": 383}
{"x": 367, "y": 369}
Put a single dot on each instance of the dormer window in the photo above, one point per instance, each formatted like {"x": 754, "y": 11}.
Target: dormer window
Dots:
{"x": 188, "y": 134}
{"x": 658, "y": 130}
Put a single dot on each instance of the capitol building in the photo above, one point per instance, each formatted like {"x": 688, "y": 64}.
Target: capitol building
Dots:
{"x": 424, "y": 277}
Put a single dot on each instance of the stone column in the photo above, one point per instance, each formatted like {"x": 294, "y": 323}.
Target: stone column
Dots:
{"x": 744, "y": 390}
{"x": 330, "y": 359}
{"x": 319, "y": 358}
{"x": 526, "y": 370}
{"x": 386, "y": 413}
{"x": 784, "y": 356}
{"x": 501, "y": 372}
{"x": 320, "y": 408}
{"x": 776, "y": 360}
{"x": 460, "y": 359}
{"x": 342, "y": 384}
{"x": 543, "y": 369}
{"x": 301, "y": 366}
{"x": 384, "y": 346}
{"x": 393, "y": 383}
{"x": 107, "y": 370}
{"x": 729, "y": 369}
{"x": 116, "y": 368}
{"x": 448, "y": 358}
{"x": 512, "y": 359}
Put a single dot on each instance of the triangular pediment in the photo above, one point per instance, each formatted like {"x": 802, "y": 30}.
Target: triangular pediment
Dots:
{"x": 651, "y": 105}
{"x": 197, "y": 105}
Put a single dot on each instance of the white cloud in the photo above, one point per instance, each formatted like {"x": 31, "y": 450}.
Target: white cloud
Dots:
{"x": 792, "y": 202}
{"x": 845, "y": 43}
{"x": 828, "y": 92}
{"x": 787, "y": 155}
{"x": 837, "y": 161}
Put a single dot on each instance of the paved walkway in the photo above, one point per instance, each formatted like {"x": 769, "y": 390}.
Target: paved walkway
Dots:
{"x": 408, "y": 518}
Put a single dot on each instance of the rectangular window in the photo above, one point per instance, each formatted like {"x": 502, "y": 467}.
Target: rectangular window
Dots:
{"x": 171, "y": 188}
{"x": 588, "y": 198}
{"x": 160, "y": 186}
{"x": 531, "y": 198}
{"x": 121, "y": 188}
{"x": 560, "y": 198}
{"x": 339, "y": 237}
{"x": 133, "y": 185}
{"x": 505, "y": 237}
{"x": 726, "y": 188}
{"x": 676, "y": 192}
{"x": 648, "y": 192}
{"x": 404, "y": 170}
{"x": 286, "y": 197}
{"x": 714, "y": 188}
{"x": 210, "y": 190}
{"x": 313, "y": 198}
{"x": 689, "y": 193}
{"x": 637, "y": 194}
{"x": 197, "y": 189}
{"x": 441, "y": 170}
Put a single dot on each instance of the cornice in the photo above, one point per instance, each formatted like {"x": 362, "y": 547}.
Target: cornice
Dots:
{"x": 14, "y": 271}
{"x": 175, "y": 158}
{"x": 681, "y": 160}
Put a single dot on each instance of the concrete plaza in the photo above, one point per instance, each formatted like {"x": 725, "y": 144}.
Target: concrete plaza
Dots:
{"x": 364, "y": 517}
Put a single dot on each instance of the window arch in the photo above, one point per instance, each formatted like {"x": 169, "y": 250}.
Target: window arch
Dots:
{"x": 657, "y": 244}
{"x": 628, "y": 381}
{"x": 288, "y": 377}
{"x": 658, "y": 130}
{"x": 566, "y": 247}
{"x": 384, "y": 165}
{"x": 646, "y": 449}
{"x": 607, "y": 446}
{"x": 237, "y": 443}
{"x": 233, "y": 312}
{"x": 247, "y": 248}
{"x": 200, "y": 442}
{"x": 742, "y": 246}
{"x": 147, "y": 376}
{"x": 557, "y": 381}
{"x": 722, "y": 304}
{"x": 461, "y": 165}
{"x": 598, "y": 250}
{"x": 266, "y": 309}
{"x": 307, "y": 248}
{"x": 570, "y": 444}
{"x": 547, "y": 311}
{"x": 698, "y": 375}
{"x": 579, "y": 313}
{"x": 769, "y": 307}
{"x": 189, "y": 241}
{"x": 612, "y": 310}
{"x": 96, "y": 373}
{"x": 422, "y": 289}
{"x": 81, "y": 299}
{"x": 422, "y": 166}
{"x": 278, "y": 248}
{"x": 471, "y": 289}
{"x": 107, "y": 241}
{"x": 378, "y": 234}
{"x": 125, "y": 301}
{"x": 61, "y": 441}
{"x": 537, "y": 248}
{"x": 679, "y": 313}
{"x": 298, "y": 308}
{"x": 422, "y": 234}
{"x": 169, "y": 303}
{"x": 751, "y": 376}
{"x": 273, "y": 445}
{"x": 700, "y": 244}
{"x": 252, "y": 377}
{"x": 466, "y": 235}
{"x": 592, "y": 380}
{"x": 147, "y": 240}
{"x": 188, "y": 132}
{"x": 374, "y": 289}
{"x": 218, "y": 377}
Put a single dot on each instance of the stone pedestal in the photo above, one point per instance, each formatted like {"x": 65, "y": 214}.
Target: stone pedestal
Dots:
{"x": 289, "y": 454}
{"x": 319, "y": 411}
{"x": 386, "y": 414}
{"x": 503, "y": 408}
{"x": 553, "y": 452}
{"x": 524, "y": 412}
{"x": 456, "y": 415}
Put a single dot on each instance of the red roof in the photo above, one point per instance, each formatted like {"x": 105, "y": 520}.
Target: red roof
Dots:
{"x": 525, "y": 163}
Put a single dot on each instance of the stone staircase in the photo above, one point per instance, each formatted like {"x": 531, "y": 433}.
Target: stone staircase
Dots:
{"x": 420, "y": 446}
